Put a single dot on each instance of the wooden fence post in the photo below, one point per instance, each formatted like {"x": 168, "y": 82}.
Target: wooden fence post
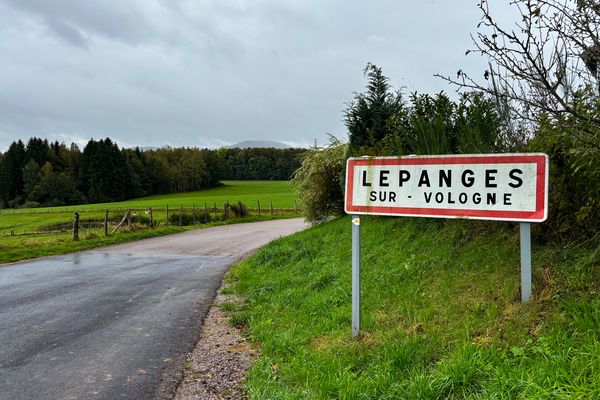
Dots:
{"x": 129, "y": 218}
{"x": 151, "y": 218}
{"x": 75, "y": 226}
{"x": 194, "y": 215}
{"x": 258, "y": 203}
{"x": 215, "y": 210}
{"x": 225, "y": 214}
{"x": 167, "y": 217}
{"x": 180, "y": 214}
{"x": 271, "y": 208}
{"x": 106, "y": 223}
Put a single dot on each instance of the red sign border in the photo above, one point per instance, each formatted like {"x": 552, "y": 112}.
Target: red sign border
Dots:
{"x": 539, "y": 215}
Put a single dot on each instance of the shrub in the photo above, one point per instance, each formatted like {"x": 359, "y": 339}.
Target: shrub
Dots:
{"x": 436, "y": 125}
{"x": 54, "y": 203}
{"x": 138, "y": 218}
{"x": 186, "y": 219}
{"x": 239, "y": 209}
{"x": 318, "y": 181}
{"x": 15, "y": 202}
{"x": 381, "y": 122}
{"x": 574, "y": 193}
{"x": 29, "y": 204}
{"x": 90, "y": 234}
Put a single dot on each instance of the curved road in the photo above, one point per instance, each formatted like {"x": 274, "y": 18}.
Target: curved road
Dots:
{"x": 115, "y": 323}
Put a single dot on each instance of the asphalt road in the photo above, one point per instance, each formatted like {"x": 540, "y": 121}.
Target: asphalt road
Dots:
{"x": 115, "y": 323}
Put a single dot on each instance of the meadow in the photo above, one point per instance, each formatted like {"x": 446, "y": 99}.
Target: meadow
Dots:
{"x": 277, "y": 193}
{"x": 29, "y": 233}
{"x": 441, "y": 314}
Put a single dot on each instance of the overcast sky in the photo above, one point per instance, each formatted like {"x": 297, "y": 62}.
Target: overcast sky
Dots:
{"x": 211, "y": 73}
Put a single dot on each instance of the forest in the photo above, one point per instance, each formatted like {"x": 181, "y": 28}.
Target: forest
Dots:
{"x": 43, "y": 173}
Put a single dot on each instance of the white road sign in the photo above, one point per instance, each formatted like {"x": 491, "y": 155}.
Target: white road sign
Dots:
{"x": 510, "y": 187}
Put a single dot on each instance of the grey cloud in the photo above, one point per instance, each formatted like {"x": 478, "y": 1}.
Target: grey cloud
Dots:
{"x": 67, "y": 32}
{"x": 208, "y": 72}
{"x": 120, "y": 20}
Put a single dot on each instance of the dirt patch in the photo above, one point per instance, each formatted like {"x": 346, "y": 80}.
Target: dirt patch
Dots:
{"x": 216, "y": 368}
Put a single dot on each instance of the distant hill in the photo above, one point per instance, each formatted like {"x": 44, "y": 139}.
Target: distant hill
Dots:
{"x": 258, "y": 143}
{"x": 148, "y": 148}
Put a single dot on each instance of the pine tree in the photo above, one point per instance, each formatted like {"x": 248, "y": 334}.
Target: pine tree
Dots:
{"x": 11, "y": 180}
{"x": 37, "y": 150}
{"x": 368, "y": 116}
{"x": 104, "y": 173}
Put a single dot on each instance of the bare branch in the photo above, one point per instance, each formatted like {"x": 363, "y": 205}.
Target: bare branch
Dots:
{"x": 547, "y": 63}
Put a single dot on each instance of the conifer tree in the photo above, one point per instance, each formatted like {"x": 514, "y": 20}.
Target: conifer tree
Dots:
{"x": 11, "y": 179}
{"x": 368, "y": 115}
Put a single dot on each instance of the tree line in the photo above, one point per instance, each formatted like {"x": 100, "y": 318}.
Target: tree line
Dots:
{"x": 43, "y": 173}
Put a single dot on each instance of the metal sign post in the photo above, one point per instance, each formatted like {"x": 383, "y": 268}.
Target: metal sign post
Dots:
{"x": 355, "y": 275}
{"x": 525, "y": 231}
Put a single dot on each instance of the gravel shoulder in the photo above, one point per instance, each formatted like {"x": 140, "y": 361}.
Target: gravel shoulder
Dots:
{"x": 216, "y": 368}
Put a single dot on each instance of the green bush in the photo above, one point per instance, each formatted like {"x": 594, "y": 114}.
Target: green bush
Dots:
{"x": 187, "y": 218}
{"x": 381, "y": 122}
{"x": 29, "y": 204}
{"x": 437, "y": 125}
{"x": 318, "y": 181}
{"x": 239, "y": 209}
{"x": 574, "y": 194}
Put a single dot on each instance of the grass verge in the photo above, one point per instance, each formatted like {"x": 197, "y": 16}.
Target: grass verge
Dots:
{"x": 441, "y": 315}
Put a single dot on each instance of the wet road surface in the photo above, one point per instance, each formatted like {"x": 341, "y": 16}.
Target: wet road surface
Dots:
{"x": 115, "y": 323}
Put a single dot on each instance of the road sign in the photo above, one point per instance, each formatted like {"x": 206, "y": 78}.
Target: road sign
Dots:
{"x": 509, "y": 187}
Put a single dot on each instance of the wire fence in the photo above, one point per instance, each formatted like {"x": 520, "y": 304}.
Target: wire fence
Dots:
{"x": 139, "y": 217}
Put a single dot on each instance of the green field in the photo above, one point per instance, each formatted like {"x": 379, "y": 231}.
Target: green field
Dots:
{"x": 280, "y": 193}
{"x": 20, "y": 236}
{"x": 441, "y": 314}
{"x": 248, "y": 192}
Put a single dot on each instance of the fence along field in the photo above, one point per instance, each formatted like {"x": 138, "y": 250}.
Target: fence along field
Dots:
{"x": 260, "y": 197}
